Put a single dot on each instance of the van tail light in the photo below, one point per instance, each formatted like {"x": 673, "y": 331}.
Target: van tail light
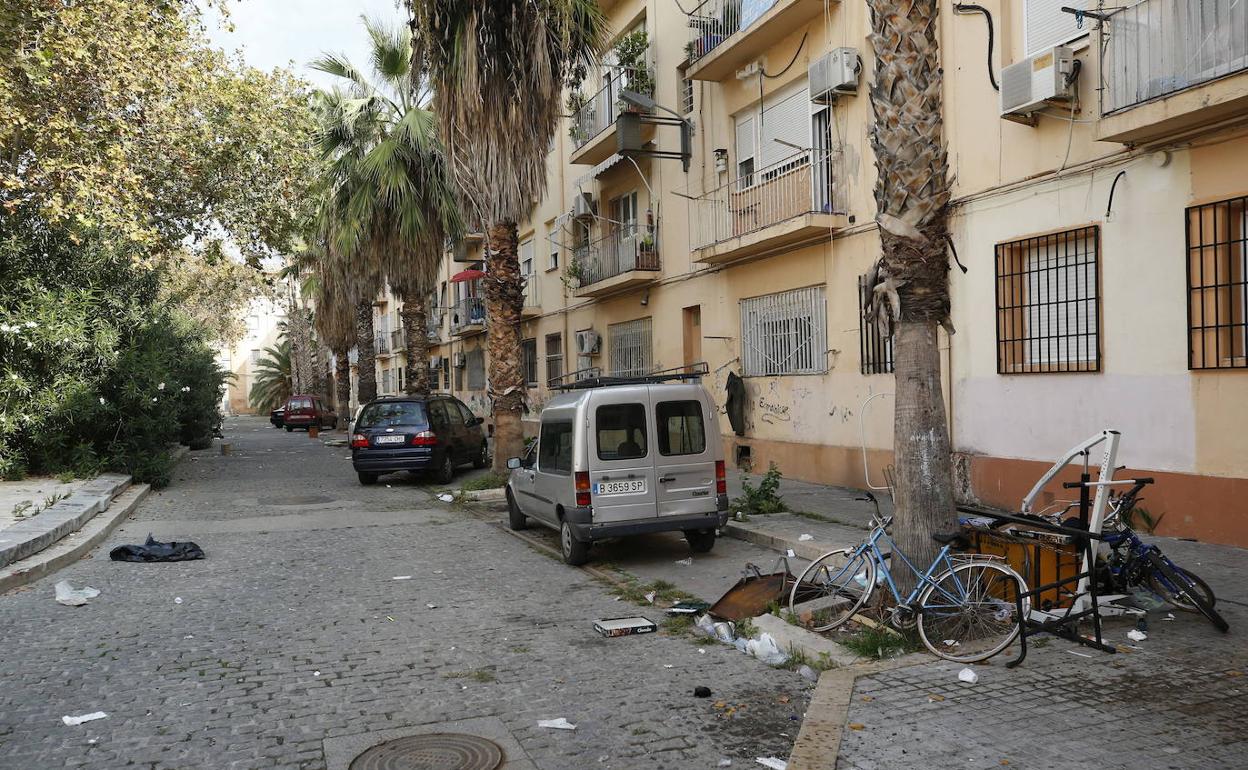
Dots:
{"x": 721, "y": 478}
{"x": 582, "y": 489}
{"x": 425, "y": 438}
{"x": 359, "y": 441}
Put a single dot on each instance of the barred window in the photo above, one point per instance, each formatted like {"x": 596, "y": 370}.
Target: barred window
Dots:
{"x": 1217, "y": 285}
{"x": 528, "y": 361}
{"x": 686, "y": 89}
{"x": 476, "y": 369}
{"x": 784, "y": 333}
{"x": 630, "y": 353}
{"x": 554, "y": 357}
{"x": 874, "y": 346}
{"x": 1048, "y": 303}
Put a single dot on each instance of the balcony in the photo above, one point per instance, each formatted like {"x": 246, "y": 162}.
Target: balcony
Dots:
{"x": 787, "y": 204}
{"x": 532, "y": 297}
{"x": 381, "y": 346}
{"x": 433, "y": 324}
{"x": 397, "y": 342}
{"x": 468, "y": 316}
{"x": 593, "y": 129}
{"x": 725, "y": 35}
{"x": 618, "y": 262}
{"x": 1171, "y": 66}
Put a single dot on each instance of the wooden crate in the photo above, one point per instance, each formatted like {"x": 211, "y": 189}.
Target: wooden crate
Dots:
{"x": 1039, "y": 561}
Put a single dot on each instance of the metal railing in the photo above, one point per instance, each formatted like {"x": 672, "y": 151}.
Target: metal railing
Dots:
{"x": 397, "y": 342}
{"x": 532, "y": 291}
{"x": 382, "y": 344}
{"x": 433, "y": 323}
{"x": 1159, "y": 47}
{"x": 710, "y": 24}
{"x": 800, "y": 184}
{"x": 469, "y": 311}
{"x": 600, "y": 111}
{"x": 634, "y": 247}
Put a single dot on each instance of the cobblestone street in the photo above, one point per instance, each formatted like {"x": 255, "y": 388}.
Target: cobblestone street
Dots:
{"x": 292, "y": 634}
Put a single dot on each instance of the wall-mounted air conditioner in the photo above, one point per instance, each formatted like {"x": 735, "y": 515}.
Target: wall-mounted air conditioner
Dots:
{"x": 836, "y": 72}
{"x": 459, "y": 360}
{"x": 583, "y": 206}
{"x": 588, "y": 343}
{"x": 1027, "y": 85}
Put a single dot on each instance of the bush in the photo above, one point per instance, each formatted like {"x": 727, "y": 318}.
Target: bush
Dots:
{"x": 764, "y": 498}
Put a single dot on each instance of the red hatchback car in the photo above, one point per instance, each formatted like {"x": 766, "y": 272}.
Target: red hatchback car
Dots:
{"x": 304, "y": 411}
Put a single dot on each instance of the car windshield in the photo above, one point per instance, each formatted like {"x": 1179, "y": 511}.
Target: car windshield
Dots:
{"x": 300, "y": 403}
{"x": 392, "y": 415}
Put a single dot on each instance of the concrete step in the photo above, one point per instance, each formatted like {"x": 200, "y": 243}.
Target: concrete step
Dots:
{"x": 30, "y": 536}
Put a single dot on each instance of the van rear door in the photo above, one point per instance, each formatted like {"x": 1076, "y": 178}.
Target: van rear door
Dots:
{"x": 621, "y": 458}
{"x": 684, "y": 456}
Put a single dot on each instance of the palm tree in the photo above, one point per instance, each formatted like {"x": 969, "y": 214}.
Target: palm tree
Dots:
{"x": 911, "y": 290}
{"x": 271, "y": 384}
{"x": 334, "y": 322}
{"x": 499, "y": 68}
{"x": 391, "y": 206}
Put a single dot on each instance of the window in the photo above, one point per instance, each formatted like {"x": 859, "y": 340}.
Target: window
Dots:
{"x": 393, "y": 415}
{"x": 439, "y": 418}
{"x": 680, "y": 426}
{"x": 554, "y": 260}
{"x": 459, "y": 377}
{"x": 745, "y": 152}
{"x": 528, "y": 361}
{"x": 525, "y": 255}
{"x": 554, "y": 448}
{"x": 255, "y": 356}
{"x": 476, "y": 369}
{"x": 299, "y": 402}
{"x": 621, "y": 431}
{"x": 624, "y": 215}
{"x": 784, "y": 333}
{"x": 464, "y": 412}
{"x": 875, "y": 348}
{"x": 630, "y": 348}
{"x": 1046, "y": 25}
{"x": 686, "y": 91}
{"x": 554, "y": 357}
{"x": 1048, "y": 303}
{"x": 1217, "y": 285}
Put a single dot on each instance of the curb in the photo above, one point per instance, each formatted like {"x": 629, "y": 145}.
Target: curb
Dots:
{"x": 808, "y": 550}
{"x": 485, "y": 495}
{"x": 73, "y": 546}
{"x": 29, "y": 537}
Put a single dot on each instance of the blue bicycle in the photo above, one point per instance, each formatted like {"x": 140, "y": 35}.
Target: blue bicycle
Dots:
{"x": 965, "y": 606}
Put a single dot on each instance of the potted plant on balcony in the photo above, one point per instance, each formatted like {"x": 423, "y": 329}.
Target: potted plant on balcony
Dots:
{"x": 631, "y": 53}
{"x": 575, "y": 103}
{"x": 573, "y": 274}
{"x": 646, "y": 244}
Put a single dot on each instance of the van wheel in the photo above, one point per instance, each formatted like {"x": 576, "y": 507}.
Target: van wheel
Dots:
{"x": 446, "y": 471}
{"x": 574, "y": 551}
{"x": 515, "y": 519}
{"x": 289, "y": 429}
{"x": 367, "y": 478}
{"x": 483, "y": 457}
{"x": 700, "y": 540}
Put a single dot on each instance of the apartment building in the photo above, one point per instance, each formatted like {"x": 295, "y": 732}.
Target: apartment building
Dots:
{"x": 240, "y": 358}
{"x": 1099, "y": 211}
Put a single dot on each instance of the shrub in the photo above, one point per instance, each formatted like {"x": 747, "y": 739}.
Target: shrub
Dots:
{"x": 764, "y": 498}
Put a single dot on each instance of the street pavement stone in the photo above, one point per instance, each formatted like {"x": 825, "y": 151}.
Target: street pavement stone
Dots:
{"x": 287, "y": 636}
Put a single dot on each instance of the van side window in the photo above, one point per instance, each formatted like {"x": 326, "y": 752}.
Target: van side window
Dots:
{"x": 437, "y": 415}
{"x": 554, "y": 448}
{"x": 621, "y": 431}
{"x": 681, "y": 431}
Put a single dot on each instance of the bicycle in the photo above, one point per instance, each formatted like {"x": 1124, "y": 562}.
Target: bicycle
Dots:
{"x": 965, "y": 606}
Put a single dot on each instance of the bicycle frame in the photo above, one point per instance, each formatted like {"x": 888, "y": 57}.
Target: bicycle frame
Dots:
{"x": 871, "y": 547}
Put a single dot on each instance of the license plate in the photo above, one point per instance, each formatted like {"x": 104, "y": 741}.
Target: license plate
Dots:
{"x": 390, "y": 439}
{"x": 634, "y": 487}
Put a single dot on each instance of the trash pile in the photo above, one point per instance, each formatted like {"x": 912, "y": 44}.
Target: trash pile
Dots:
{"x": 763, "y": 647}
{"x": 153, "y": 550}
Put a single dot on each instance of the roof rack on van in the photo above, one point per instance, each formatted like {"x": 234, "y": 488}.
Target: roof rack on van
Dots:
{"x": 593, "y": 378}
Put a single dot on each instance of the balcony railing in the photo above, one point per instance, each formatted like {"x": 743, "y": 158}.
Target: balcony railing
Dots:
{"x": 710, "y": 24}
{"x": 1159, "y": 47}
{"x": 800, "y": 184}
{"x": 397, "y": 342}
{"x": 532, "y": 291}
{"x": 467, "y": 312}
{"x": 632, "y": 248}
{"x": 600, "y": 111}
{"x": 433, "y": 323}
{"x": 382, "y": 346}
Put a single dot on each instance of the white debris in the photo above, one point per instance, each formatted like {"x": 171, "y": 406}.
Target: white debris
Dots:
{"x": 772, "y": 762}
{"x": 952, "y": 643}
{"x": 177, "y": 600}
{"x": 789, "y": 553}
{"x": 316, "y": 673}
{"x": 968, "y": 675}
{"x": 809, "y": 673}
{"x": 668, "y": 665}
{"x": 401, "y": 577}
{"x": 1136, "y": 635}
{"x": 74, "y": 597}
{"x": 71, "y": 721}
{"x": 701, "y": 651}
{"x": 431, "y": 606}
{"x": 650, "y": 597}
{"x": 1169, "y": 616}
{"x": 556, "y": 724}
{"x": 446, "y": 498}
{"x": 765, "y": 649}
{"x": 687, "y": 562}
{"x": 1080, "y": 654}
{"x": 724, "y": 763}
{"x": 804, "y": 538}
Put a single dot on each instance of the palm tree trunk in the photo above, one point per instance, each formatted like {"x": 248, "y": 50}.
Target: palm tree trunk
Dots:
{"x": 504, "y": 300}
{"x": 414, "y": 316}
{"x": 342, "y": 387}
{"x": 912, "y": 197}
{"x": 366, "y": 368}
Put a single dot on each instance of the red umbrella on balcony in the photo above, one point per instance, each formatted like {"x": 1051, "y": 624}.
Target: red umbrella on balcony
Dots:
{"x": 470, "y": 274}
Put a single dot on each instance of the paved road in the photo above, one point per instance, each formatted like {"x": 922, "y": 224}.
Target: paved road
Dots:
{"x": 292, "y": 636}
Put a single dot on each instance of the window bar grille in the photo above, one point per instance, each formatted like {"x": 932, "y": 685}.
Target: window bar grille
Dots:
{"x": 1217, "y": 284}
{"x": 875, "y": 349}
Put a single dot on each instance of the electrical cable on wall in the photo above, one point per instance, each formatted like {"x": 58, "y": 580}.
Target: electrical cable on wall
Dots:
{"x": 965, "y": 8}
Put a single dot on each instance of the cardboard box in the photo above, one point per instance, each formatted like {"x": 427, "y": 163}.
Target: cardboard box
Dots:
{"x": 610, "y": 627}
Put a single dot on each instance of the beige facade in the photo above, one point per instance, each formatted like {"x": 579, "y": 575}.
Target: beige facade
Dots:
{"x": 264, "y": 315}
{"x": 1071, "y": 317}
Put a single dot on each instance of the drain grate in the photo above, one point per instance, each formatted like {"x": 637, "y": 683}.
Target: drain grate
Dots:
{"x": 435, "y": 751}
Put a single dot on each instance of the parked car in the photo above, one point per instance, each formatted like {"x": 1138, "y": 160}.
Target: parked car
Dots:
{"x": 617, "y": 457}
{"x": 276, "y": 415}
{"x": 435, "y": 434}
{"x": 304, "y": 411}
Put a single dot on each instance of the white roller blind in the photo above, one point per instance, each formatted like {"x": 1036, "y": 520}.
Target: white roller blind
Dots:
{"x": 1046, "y": 25}
{"x": 787, "y": 119}
{"x": 745, "y": 138}
{"x": 1061, "y": 302}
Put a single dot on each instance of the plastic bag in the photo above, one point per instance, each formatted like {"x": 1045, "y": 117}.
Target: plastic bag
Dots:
{"x": 74, "y": 597}
{"x": 153, "y": 550}
{"x": 765, "y": 649}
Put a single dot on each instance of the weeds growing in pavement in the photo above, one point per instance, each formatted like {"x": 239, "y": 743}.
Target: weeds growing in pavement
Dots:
{"x": 492, "y": 480}
{"x": 879, "y": 643}
{"x": 764, "y": 498}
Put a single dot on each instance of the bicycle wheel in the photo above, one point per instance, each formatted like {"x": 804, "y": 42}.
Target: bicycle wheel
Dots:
{"x": 1180, "y": 602}
{"x": 832, "y": 589}
{"x": 969, "y": 613}
{"x": 1184, "y": 589}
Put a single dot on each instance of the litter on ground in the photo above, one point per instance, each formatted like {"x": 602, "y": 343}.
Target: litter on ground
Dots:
{"x": 556, "y": 724}
{"x": 772, "y": 762}
{"x": 804, "y": 538}
{"x": 154, "y": 550}
{"x": 71, "y": 721}
{"x": 968, "y": 675}
{"x": 688, "y": 562}
{"x": 74, "y": 597}
{"x": 446, "y": 498}
{"x": 1136, "y": 636}
{"x": 401, "y": 577}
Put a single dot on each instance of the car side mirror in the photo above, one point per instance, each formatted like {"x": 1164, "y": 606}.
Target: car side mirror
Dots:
{"x": 475, "y": 421}
{"x": 513, "y": 463}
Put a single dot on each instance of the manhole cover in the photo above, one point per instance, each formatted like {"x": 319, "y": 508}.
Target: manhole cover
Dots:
{"x": 296, "y": 500}
{"x": 435, "y": 751}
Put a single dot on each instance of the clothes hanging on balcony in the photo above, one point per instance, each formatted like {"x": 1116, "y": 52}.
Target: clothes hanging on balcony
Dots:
{"x": 736, "y": 403}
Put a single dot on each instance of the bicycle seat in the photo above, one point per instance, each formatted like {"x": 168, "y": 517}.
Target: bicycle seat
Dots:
{"x": 955, "y": 539}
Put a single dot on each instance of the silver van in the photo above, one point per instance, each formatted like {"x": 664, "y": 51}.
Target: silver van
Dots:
{"x": 623, "y": 456}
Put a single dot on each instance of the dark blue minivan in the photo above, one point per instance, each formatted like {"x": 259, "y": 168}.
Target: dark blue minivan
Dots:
{"x": 436, "y": 433}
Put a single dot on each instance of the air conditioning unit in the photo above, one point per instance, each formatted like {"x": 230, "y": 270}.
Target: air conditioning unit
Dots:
{"x": 834, "y": 73}
{"x": 588, "y": 343}
{"x": 1027, "y": 85}
{"x": 583, "y": 206}
{"x": 459, "y": 360}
